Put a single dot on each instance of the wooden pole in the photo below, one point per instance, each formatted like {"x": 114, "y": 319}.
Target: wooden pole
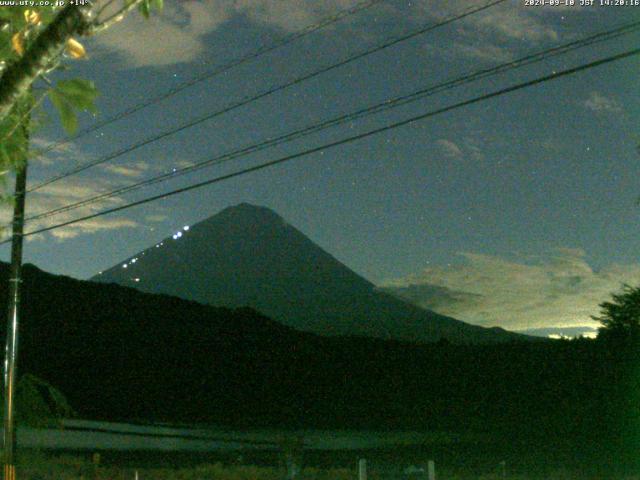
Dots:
{"x": 11, "y": 343}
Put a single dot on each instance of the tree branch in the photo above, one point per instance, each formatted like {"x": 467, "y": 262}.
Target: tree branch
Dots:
{"x": 115, "y": 18}
{"x": 18, "y": 77}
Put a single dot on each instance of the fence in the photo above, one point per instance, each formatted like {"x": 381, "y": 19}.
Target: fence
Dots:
{"x": 68, "y": 467}
{"x": 393, "y": 471}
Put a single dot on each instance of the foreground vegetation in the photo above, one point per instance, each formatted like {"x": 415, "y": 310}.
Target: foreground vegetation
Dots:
{"x": 119, "y": 354}
{"x": 40, "y": 466}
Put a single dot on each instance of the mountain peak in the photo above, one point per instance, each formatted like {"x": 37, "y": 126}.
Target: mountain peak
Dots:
{"x": 248, "y": 209}
{"x": 248, "y": 255}
{"x": 244, "y": 216}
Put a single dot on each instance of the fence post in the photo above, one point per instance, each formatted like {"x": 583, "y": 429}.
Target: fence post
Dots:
{"x": 95, "y": 459}
{"x": 362, "y": 469}
{"x": 431, "y": 470}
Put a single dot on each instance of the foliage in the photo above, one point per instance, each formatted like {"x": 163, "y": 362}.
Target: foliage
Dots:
{"x": 20, "y": 27}
{"x": 13, "y": 139}
{"x": 620, "y": 317}
{"x": 34, "y": 465}
{"x": 39, "y": 403}
{"x": 146, "y": 6}
{"x": 38, "y": 465}
{"x": 71, "y": 96}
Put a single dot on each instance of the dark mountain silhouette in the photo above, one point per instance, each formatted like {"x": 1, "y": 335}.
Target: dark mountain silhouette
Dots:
{"x": 120, "y": 354}
{"x": 249, "y": 256}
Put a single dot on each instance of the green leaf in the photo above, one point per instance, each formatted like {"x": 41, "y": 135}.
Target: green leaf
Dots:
{"x": 144, "y": 8}
{"x": 13, "y": 140}
{"x": 67, "y": 114}
{"x": 81, "y": 94}
{"x": 157, "y": 5}
{"x": 14, "y": 15}
{"x": 70, "y": 96}
{"x": 5, "y": 158}
{"x": 47, "y": 14}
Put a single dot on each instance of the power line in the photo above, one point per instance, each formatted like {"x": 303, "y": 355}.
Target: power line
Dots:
{"x": 383, "y": 106}
{"x": 309, "y": 29}
{"x": 465, "y": 13}
{"x": 343, "y": 141}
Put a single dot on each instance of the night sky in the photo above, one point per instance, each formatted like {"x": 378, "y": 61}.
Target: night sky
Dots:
{"x": 518, "y": 211}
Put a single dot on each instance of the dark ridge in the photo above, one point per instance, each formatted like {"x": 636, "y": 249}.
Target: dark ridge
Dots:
{"x": 120, "y": 354}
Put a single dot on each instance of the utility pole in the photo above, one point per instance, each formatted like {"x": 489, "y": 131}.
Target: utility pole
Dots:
{"x": 11, "y": 348}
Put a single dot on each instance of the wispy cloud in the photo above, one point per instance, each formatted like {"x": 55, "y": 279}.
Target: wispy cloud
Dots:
{"x": 560, "y": 290}
{"x": 156, "y": 218}
{"x": 495, "y": 34}
{"x": 289, "y": 14}
{"x": 130, "y": 171}
{"x": 484, "y": 51}
{"x": 99, "y": 180}
{"x": 449, "y": 148}
{"x": 599, "y": 103}
{"x": 466, "y": 147}
{"x": 65, "y": 153}
{"x": 92, "y": 226}
{"x": 61, "y": 194}
{"x": 516, "y": 23}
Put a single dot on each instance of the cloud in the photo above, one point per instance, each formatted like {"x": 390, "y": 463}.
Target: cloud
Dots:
{"x": 467, "y": 147}
{"x": 156, "y": 218}
{"x": 495, "y": 34}
{"x": 61, "y": 154}
{"x": 65, "y": 192}
{"x": 184, "y": 163}
{"x": 559, "y": 290}
{"x": 130, "y": 171}
{"x": 290, "y": 15}
{"x": 449, "y": 149}
{"x": 179, "y": 35}
{"x": 515, "y": 23}
{"x": 484, "y": 51}
{"x": 176, "y": 36}
{"x": 92, "y": 226}
{"x": 73, "y": 189}
{"x": 601, "y": 104}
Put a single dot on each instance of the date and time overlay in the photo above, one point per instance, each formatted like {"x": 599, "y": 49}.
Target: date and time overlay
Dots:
{"x": 45, "y": 3}
{"x": 581, "y": 3}
{"x": 525, "y": 3}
